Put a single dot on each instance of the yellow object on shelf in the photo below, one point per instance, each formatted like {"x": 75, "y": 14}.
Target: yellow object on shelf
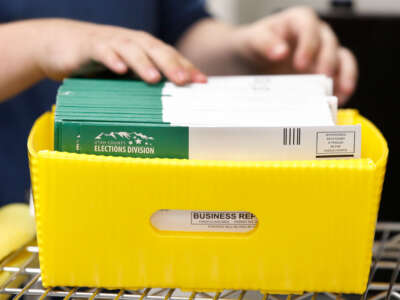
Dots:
{"x": 316, "y": 219}
{"x": 17, "y": 227}
{"x": 18, "y": 261}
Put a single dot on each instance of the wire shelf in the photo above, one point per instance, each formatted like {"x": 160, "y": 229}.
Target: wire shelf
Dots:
{"x": 25, "y": 280}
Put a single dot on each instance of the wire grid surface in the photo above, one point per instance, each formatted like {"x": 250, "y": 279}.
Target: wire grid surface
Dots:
{"x": 383, "y": 282}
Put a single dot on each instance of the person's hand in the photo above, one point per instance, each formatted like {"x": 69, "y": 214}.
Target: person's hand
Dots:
{"x": 297, "y": 41}
{"x": 68, "y": 45}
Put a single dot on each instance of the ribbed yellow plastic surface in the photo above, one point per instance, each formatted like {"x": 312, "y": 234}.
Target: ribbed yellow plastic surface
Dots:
{"x": 315, "y": 231}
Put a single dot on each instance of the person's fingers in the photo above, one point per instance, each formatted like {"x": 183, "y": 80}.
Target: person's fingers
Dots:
{"x": 199, "y": 77}
{"x": 194, "y": 73}
{"x": 165, "y": 57}
{"x": 267, "y": 43}
{"x": 347, "y": 75}
{"x": 171, "y": 63}
{"x": 104, "y": 54}
{"x": 327, "y": 60}
{"x": 304, "y": 28}
{"x": 174, "y": 65}
{"x": 138, "y": 61}
{"x": 148, "y": 56}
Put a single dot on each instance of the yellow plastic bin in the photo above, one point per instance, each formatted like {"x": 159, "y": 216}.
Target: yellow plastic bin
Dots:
{"x": 316, "y": 219}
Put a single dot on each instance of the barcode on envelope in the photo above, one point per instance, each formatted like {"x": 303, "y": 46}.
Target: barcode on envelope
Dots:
{"x": 291, "y": 136}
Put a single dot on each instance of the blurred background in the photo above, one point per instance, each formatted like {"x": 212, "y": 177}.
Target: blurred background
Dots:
{"x": 371, "y": 29}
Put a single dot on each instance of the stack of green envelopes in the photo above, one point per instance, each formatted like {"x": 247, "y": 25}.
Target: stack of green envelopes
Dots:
{"x": 228, "y": 118}
{"x": 115, "y": 117}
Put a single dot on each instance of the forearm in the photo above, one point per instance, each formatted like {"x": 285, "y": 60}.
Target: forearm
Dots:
{"x": 211, "y": 45}
{"x": 19, "y": 42}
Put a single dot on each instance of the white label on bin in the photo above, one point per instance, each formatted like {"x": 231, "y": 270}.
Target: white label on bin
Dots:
{"x": 336, "y": 144}
{"x": 203, "y": 221}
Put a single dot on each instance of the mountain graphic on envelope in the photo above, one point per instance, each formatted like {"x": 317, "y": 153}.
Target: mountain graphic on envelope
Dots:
{"x": 133, "y": 137}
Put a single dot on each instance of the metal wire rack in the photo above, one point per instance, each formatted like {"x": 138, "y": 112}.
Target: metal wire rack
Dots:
{"x": 24, "y": 280}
